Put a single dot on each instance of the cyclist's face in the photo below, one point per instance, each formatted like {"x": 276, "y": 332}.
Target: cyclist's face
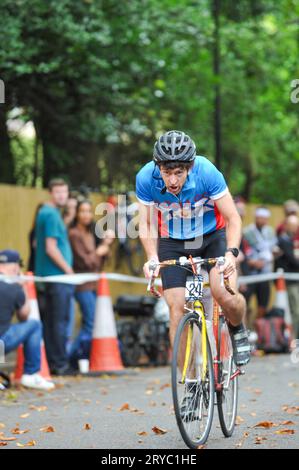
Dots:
{"x": 174, "y": 179}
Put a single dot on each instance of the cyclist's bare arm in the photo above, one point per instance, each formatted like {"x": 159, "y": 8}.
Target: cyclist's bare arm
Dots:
{"x": 227, "y": 208}
{"x": 148, "y": 236}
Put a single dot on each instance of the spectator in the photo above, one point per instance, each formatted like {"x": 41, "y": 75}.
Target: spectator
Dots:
{"x": 242, "y": 265}
{"x": 69, "y": 214}
{"x": 70, "y": 209}
{"x": 32, "y": 242}
{"x": 87, "y": 258}
{"x": 260, "y": 248}
{"x": 27, "y": 332}
{"x": 54, "y": 257}
{"x": 289, "y": 262}
{"x": 291, "y": 207}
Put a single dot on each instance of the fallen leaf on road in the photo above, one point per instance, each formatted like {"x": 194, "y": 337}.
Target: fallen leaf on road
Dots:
{"x": 158, "y": 430}
{"x": 253, "y": 415}
{"x": 104, "y": 391}
{"x": 259, "y": 440}
{"x": 290, "y": 409}
{"x": 29, "y": 444}
{"x": 285, "y": 431}
{"x": 239, "y": 420}
{"x": 164, "y": 386}
{"x": 87, "y": 427}
{"x": 153, "y": 403}
{"x": 19, "y": 431}
{"x": 25, "y": 415}
{"x": 134, "y": 410}
{"x": 47, "y": 429}
{"x": 202, "y": 447}
{"x": 124, "y": 407}
{"x": 245, "y": 435}
{"x": 7, "y": 439}
{"x": 257, "y": 391}
{"x": 142, "y": 433}
{"x": 287, "y": 423}
{"x": 149, "y": 392}
{"x": 156, "y": 381}
{"x": 265, "y": 424}
{"x": 3, "y": 444}
{"x": 38, "y": 408}
{"x": 2, "y": 425}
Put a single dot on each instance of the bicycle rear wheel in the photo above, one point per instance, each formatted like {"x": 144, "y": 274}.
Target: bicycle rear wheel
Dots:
{"x": 227, "y": 398}
{"x": 192, "y": 387}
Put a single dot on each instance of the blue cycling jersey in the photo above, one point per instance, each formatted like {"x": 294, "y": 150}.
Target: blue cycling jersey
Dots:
{"x": 191, "y": 213}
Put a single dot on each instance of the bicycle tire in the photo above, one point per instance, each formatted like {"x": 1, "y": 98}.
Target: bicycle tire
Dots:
{"x": 191, "y": 443}
{"x": 227, "y": 423}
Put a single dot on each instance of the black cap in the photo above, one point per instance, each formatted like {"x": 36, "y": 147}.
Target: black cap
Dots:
{"x": 10, "y": 256}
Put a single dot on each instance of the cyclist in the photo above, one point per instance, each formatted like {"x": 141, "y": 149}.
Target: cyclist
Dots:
{"x": 186, "y": 209}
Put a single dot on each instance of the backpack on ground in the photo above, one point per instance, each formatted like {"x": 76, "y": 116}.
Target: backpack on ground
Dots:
{"x": 271, "y": 331}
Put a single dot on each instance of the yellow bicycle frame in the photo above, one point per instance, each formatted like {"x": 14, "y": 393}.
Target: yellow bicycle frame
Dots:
{"x": 199, "y": 309}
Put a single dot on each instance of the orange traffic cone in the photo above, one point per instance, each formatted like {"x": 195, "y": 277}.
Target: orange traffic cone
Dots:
{"x": 105, "y": 354}
{"x": 282, "y": 301}
{"x": 34, "y": 315}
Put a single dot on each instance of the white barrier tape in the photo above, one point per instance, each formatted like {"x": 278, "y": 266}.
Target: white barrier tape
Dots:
{"x": 82, "y": 278}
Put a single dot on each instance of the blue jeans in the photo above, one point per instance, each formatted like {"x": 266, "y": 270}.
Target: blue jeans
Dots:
{"x": 28, "y": 333}
{"x": 87, "y": 301}
{"x": 55, "y": 303}
{"x": 70, "y": 326}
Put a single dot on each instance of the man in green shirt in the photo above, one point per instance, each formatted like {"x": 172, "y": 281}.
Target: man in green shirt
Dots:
{"x": 54, "y": 257}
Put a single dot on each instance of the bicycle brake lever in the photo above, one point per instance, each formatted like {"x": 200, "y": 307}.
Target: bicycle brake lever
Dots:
{"x": 151, "y": 287}
{"x": 221, "y": 262}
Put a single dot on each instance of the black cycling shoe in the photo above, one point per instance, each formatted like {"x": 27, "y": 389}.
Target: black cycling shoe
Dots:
{"x": 240, "y": 343}
{"x": 190, "y": 402}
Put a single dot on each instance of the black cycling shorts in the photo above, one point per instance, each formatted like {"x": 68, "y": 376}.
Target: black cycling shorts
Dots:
{"x": 213, "y": 245}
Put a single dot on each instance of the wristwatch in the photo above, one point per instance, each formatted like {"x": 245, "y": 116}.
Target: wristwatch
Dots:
{"x": 234, "y": 251}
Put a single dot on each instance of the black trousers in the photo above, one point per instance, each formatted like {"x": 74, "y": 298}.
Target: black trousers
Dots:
{"x": 55, "y": 303}
{"x": 262, "y": 291}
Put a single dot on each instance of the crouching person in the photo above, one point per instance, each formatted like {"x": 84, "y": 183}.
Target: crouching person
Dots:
{"x": 13, "y": 298}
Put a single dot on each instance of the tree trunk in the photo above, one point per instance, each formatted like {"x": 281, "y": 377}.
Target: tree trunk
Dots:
{"x": 6, "y": 159}
{"x": 216, "y": 70}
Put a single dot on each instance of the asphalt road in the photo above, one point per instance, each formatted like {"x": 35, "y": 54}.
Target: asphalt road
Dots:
{"x": 87, "y": 412}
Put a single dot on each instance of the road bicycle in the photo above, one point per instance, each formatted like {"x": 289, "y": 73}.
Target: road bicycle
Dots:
{"x": 203, "y": 372}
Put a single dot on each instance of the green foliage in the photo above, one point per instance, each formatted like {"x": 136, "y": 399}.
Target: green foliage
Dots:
{"x": 100, "y": 78}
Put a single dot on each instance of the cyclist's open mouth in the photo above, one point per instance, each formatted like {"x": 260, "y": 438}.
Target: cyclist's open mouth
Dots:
{"x": 174, "y": 189}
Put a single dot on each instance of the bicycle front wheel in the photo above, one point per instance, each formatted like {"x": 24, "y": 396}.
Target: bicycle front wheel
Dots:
{"x": 192, "y": 381}
{"x": 227, "y": 398}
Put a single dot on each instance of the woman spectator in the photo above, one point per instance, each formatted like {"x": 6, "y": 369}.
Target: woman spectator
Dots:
{"x": 32, "y": 241}
{"x": 87, "y": 258}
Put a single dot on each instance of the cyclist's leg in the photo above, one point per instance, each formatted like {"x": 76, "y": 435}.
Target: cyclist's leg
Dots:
{"x": 173, "y": 282}
{"x": 233, "y": 306}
